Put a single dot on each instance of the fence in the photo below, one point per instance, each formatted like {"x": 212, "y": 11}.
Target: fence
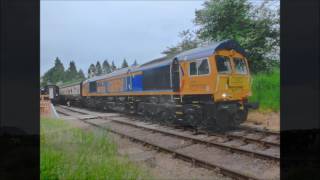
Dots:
{"x": 45, "y": 106}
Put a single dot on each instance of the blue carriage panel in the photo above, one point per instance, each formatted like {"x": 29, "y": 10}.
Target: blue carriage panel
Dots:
{"x": 137, "y": 83}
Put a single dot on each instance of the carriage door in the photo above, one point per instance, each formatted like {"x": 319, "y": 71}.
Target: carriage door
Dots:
{"x": 51, "y": 92}
{"x": 175, "y": 74}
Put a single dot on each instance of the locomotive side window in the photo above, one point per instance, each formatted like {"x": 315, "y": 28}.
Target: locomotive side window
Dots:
{"x": 223, "y": 64}
{"x": 203, "y": 67}
{"x": 193, "y": 68}
{"x": 200, "y": 67}
{"x": 240, "y": 66}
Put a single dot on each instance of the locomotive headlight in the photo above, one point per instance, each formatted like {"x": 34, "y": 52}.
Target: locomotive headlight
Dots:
{"x": 224, "y": 95}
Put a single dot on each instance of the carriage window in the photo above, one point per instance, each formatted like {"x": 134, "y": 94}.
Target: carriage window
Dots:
{"x": 223, "y": 64}
{"x": 92, "y": 86}
{"x": 240, "y": 66}
{"x": 199, "y": 67}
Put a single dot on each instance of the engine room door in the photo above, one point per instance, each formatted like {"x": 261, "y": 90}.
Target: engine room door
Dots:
{"x": 175, "y": 74}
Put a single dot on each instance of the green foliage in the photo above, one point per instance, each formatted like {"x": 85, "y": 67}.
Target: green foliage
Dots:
{"x": 70, "y": 153}
{"x": 188, "y": 41}
{"x": 255, "y": 28}
{"x": 81, "y": 75}
{"x": 91, "y": 71}
{"x": 124, "y": 63}
{"x": 98, "y": 69}
{"x": 106, "y": 68}
{"x": 57, "y": 74}
{"x": 71, "y": 72}
{"x": 266, "y": 90}
{"x": 135, "y": 63}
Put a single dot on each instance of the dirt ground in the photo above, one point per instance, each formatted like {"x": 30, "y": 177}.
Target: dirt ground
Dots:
{"x": 160, "y": 165}
{"x": 268, "y": 120}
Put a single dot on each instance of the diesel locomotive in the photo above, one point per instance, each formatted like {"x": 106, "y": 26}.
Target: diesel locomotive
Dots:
{"x": 206, "y": 87}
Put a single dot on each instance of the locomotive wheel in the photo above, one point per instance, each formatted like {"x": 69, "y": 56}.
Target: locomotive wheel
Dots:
{"x": 224, "y": 121}
{"x": 158, "y": 118}
{"x": 241, "y": 116}
{"x": 166, "y": 118}
{"x": 192, "y": 118}
{"x": 208, "y": 124}
{"x": 146, "y": 116}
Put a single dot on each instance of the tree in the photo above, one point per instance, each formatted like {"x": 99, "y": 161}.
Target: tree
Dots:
{"x": 135, "y": 63}
{"x": 55, "y": 74}
{"x": 106, "y": 69}
{"x": 98, "y": 69}
{"x": 254, "y": 28}
{"x": 113, "y": 66}
{"x": 81, "y": 75}
{"x": 188, "y": 41}
{"x": 171, "y": 51}
{"x": 91, "y": 71}
{"x": 124, "y": 63}
{"x": 71, "y": 73}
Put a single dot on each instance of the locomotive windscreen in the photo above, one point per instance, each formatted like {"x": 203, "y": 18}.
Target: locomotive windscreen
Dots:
{"x": 157, "y": 78}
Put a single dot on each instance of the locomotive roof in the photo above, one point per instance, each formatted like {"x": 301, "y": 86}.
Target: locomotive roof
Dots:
{"x": 210, "y": 49}
{"x": 186, "y": 55}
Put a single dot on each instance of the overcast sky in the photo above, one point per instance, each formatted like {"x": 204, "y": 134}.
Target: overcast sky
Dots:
{"x": 87, "y": 31}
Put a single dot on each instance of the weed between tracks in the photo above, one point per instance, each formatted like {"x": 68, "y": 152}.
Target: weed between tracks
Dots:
{"x": 71, "y": 153}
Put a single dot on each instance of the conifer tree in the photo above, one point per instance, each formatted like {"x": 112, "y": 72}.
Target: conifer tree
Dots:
{"x": 124, "y": 63}
{"x": 113, "y": 66}
{"x": 81, "y": 75}
{"x": 71, "y": 73}
{"x": 135, "y": 63}
{"x": 106, "y": 69}
{"x": 91, "y": 71}
{"x": 98, "y": 69}
{"x": 55, "y": 74}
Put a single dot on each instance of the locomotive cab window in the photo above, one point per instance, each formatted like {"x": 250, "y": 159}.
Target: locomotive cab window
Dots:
{"x": 223, "y": 64}
{"x": 240, "y": 66}
{"x": 199, "y": 67}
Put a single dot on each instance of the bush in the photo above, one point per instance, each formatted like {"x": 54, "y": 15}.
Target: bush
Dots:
{"x": 266, "y": 90}
{"x": 70, "y": 153}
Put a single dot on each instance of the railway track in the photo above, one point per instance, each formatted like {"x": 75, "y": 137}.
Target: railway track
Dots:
{"x": 225, "y": 142}
{"x": 259, "y": 137}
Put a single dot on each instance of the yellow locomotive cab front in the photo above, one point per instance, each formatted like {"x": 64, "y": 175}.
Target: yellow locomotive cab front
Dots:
{"x": 232, "y": 76}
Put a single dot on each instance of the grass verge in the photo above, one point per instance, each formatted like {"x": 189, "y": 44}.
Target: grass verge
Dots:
{"x": 72, "y": 153}
{"x": 266, "y": 90}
